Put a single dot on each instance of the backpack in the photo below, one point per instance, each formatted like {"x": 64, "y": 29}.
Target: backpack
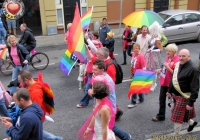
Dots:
{"x": 119, "y": 72}
{"x": 48, "y": 95}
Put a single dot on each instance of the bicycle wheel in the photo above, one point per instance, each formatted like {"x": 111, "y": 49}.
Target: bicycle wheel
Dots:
{"x": 6, "y": 68}
{"x": 39, "y": 61}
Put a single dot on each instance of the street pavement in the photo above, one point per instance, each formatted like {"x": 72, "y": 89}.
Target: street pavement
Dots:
{"x": 136, "y": 121}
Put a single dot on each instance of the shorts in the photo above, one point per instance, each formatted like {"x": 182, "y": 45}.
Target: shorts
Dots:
{"x": 11, "y": 23}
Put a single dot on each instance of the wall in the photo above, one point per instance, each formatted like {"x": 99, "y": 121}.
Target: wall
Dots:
{"x": 113, "y": 8}
{"x": 183, "y": 4}
{"x": 99, "y": 12}
{"x": 48, "y": 14}
{"x": 193, "y": 5}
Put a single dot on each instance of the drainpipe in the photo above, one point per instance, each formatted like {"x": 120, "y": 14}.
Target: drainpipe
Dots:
{"x": 120, "y": 18}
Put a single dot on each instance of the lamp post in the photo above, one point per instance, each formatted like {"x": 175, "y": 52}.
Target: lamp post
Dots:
{"x": 120, "y": 18}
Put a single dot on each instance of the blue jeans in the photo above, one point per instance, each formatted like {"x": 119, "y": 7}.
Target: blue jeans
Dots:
{"x": 3, "y": 34}
{"x": 3, "y": 109}
{"x": 120, "y": 134}
{"x": 134, "y": 98}
{"x": 49, "y": 136}
{"x": 85, "y": 100}
{"x": 15, "y": 73}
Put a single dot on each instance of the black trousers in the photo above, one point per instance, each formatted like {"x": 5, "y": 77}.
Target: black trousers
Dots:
{"x": 162, "y": 103}
{"x": 128, "y": 49}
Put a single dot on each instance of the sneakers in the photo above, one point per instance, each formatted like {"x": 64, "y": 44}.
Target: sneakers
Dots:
{"x": 191, "y": 127}
{"x": 130, "y": 136}
{"x": 118, "y": 115}
{"x": 80, "y": 106}
{"x": 155, "y": 119}
{"x": 132, "y": 105}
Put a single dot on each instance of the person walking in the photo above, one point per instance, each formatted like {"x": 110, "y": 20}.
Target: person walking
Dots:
{"x": 127, "y": 42}
{"x": 183, "y": 89}
{"x": 103, "y": 30}
{"x": 29, "y": 122}
{"x": 19, "y": 57}
{"x": 165, "y": 77}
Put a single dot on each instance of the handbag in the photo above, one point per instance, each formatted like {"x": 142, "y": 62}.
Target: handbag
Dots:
{"x": 7, "y": 97}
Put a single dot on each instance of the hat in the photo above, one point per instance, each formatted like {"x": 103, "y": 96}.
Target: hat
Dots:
{"x": 110, "y": 34}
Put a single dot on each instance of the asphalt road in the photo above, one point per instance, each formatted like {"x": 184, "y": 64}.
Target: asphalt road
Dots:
{"x": 68, "y": 119}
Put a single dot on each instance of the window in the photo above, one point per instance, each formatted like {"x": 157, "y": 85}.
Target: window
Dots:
{"x": 176, "y": 20}
{"x": 191, "y": 18}
{"x": 84, "y": 9}
{"x": 59, "y": 16}
{"x": 58, "y": 2}
{"x": 83, "y": 1}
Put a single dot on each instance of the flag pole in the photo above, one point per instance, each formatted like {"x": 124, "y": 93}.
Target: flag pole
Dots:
{"x": 120, "y": 20}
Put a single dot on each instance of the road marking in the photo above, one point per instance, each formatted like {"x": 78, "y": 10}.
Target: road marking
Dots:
{"x": 126, "y": 80}
{"x": 115, "y": 54}
{"x": 183, "y": 132}
{"x": 45, "y": 65}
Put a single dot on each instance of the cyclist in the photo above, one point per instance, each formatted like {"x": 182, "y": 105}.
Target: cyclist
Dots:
{"x": 27, "y": 39}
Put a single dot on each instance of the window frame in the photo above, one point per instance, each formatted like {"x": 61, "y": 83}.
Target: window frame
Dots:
{"x": 175, "y": 16}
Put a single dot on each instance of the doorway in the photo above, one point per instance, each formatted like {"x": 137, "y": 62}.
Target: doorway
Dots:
{"x": 160, "y": 5}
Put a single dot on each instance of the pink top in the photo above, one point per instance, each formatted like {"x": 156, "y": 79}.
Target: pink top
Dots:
{"x": 15, "y": 56}
{"x": 137, "y": 62}
{"x": 166, "y": 75}
{"x": 97, "y": 43}
{"x": 67, "y": 35}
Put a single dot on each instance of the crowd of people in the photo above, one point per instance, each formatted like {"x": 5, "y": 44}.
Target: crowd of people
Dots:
{"x": 179, "y": 81}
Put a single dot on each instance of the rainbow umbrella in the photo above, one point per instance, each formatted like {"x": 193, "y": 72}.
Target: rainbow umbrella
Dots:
{"x": 142, "y": 17}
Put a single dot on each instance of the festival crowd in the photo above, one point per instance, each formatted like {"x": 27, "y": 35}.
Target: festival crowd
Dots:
{"x": 98, "y": 76}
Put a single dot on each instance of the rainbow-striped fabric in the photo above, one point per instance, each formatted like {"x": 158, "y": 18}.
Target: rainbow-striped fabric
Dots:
{"x": 77, "y": 45}
{"x": 67, "y": 62}
{"x": 3, "y": 53}
{"x": 85, "y": 19}
{"x": 141, "y": 82}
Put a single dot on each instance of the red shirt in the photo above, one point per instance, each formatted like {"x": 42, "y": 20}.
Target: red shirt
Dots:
{"x": 138, "y": 62}
{"x": 111, "y": 70}
{"x": 165, "y": 75}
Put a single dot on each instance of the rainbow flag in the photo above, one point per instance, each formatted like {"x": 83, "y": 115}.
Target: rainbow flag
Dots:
{"x": 67, "y": 62}
{"x": 85, "y": 19}
{"x": 141, "y": 82}
{"x": 76, "y": 37}
{"x": 3, "y": 53}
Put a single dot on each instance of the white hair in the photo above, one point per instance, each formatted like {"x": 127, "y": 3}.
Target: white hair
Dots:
{"x": 155, "y": 29}
{"x": 172, "y": 47}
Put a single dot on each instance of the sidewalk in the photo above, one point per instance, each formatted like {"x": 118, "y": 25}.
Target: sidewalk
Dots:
{"x": 54, "y": 40}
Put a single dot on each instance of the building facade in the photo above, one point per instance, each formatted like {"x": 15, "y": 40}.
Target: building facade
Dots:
{"x": 39, "y": 14}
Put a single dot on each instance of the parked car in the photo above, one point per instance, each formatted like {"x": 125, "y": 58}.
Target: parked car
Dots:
{"x": 181, "y": 25}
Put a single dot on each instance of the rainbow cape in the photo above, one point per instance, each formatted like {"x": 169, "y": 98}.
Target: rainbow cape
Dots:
{"x": 48, "y": 95}
{"x": 85, "y": 19}
{"x": 76, "y": 37}
{"x": 67, "y": 62}
{"x": 3, "y": 53}
{"x": 141, "y": 82}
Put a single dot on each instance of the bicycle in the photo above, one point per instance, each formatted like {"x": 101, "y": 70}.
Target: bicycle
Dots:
{"x": 38, "y": 60}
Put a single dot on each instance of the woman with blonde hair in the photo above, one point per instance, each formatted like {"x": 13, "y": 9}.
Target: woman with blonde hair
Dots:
{"x": 165, "y": 78}
{"x": 18, "y": 56}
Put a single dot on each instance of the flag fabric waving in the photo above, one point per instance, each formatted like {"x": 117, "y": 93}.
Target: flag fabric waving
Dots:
{"x": 76, "y": 34}
{"x": 141, "y": 82}
{"x": 67, "y": 62}
{"x": 85, "y": 19}
{"x": 3, "y": 53}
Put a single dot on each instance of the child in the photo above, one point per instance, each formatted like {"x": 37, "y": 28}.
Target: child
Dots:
{"x": 137, "y": 62}
{"x": 67, "y": 33}
{"x": 109, "y": 43}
